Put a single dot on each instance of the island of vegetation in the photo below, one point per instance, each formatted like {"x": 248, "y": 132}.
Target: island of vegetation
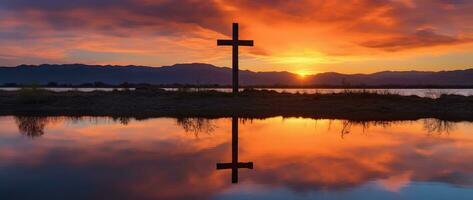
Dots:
{"x": 154, "y": 102}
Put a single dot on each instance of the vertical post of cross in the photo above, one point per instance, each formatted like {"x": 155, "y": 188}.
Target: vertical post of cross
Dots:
{"x": 235, "y": 42}
{"x": 235, "y": 66}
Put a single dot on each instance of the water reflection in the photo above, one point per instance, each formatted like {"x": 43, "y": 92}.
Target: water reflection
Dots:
{"x": 196, "y": 125}
{"x": 438, "y": 126}
{"x": 235, "y": 164}
{"x": 431, "y": 126}
{"x": 32, "y": 126}
{"x": 297, "y": 158}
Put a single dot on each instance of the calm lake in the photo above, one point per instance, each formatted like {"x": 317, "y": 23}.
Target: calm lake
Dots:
{"x": 273, "y": 158}
{"x": 430, "y": 93}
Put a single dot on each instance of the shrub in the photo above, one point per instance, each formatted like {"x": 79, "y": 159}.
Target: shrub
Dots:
{"x": 32, "y": 95}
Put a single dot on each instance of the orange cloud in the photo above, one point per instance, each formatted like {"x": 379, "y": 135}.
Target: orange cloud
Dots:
{"x": 155, "y": 158}
{"x": 421, "y": 38}
{"x": 339, "y": 33}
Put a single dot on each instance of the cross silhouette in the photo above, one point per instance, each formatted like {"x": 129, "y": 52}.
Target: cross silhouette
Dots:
{"x": 235, "y": 43}
{"x": 235, "y": 165}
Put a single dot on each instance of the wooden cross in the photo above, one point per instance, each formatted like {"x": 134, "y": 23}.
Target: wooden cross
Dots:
{"x": 235, "y": 43}
{"x": 235, "y": 165}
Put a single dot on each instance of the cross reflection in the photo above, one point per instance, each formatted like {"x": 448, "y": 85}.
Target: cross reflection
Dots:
{"x": 235, "y": 165}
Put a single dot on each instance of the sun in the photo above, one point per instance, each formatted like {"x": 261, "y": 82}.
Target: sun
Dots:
{"x": 302, "y": 74}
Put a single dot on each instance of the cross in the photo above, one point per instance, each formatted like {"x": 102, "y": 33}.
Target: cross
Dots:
{"x": 235, "y": 165}
{"x": 235, "y": 43}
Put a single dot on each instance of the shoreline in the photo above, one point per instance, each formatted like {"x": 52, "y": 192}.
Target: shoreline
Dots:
{"x": 149, "y": 103}
{"x": 184, "y": 86}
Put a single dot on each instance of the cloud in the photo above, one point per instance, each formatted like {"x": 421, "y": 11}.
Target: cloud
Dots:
{"x": 341, "y": 30}
{"x": 161, "y": 152}
{"x": 112, "y": 14}
{"x": 421, "y": 38}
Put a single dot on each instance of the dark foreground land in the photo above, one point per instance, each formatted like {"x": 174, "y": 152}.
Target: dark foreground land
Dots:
{"x": 144, "y": 103}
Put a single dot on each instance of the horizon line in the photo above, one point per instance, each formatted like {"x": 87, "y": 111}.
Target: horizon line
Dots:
{"x": 200, "y": 63}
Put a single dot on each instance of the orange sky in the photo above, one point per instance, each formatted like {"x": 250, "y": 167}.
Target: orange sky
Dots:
{"x": 348, "y": 36}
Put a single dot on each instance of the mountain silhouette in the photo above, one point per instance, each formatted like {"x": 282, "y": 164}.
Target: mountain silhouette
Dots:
{"x": 206, "y": 74}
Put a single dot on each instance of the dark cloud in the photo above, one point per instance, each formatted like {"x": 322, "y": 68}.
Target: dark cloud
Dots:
{"x": 118, "y": 14}
{"x": 53, "y": 5}
{"x": 421, "y": 38}
{"x": 344, "y": 27}
{"x": 171, "y": 17}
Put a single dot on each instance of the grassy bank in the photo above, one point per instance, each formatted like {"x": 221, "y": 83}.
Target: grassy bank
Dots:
{"x": 158, "y": 103}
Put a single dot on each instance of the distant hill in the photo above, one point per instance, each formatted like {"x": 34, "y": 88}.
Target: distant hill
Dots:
{"x": 401, "y": 78}
{"x": 205, "y": 74}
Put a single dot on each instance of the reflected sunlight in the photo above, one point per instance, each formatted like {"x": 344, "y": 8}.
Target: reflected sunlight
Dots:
{"x": 296, "y": 154}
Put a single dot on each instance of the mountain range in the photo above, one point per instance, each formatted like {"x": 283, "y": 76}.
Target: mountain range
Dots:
{"x": 206, "y": 74}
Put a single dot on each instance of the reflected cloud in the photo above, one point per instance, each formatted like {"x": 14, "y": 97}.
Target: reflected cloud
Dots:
{"x": 397, "y": 182}
{"x": 156, "y": 159}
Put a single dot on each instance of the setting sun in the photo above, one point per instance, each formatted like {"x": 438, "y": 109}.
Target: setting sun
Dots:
{"x": 301, "y": 74}
{"x": 304, "y": 73}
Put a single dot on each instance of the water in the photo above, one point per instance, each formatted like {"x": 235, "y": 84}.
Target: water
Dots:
{"x": 429, "y": 93}
{"x": 54, "y": 89}
{"x": 292, "y": 158}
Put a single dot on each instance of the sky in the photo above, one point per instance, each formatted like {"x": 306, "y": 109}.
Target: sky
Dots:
{"x": 303, "y": 36}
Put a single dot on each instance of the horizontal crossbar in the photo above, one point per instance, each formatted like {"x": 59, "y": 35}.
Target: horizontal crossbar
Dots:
{"x": 224, "y": 42}
{"x": 248, "y": 165}
{"x": 245, "y": 43}
{"x": 231, "y": 43}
